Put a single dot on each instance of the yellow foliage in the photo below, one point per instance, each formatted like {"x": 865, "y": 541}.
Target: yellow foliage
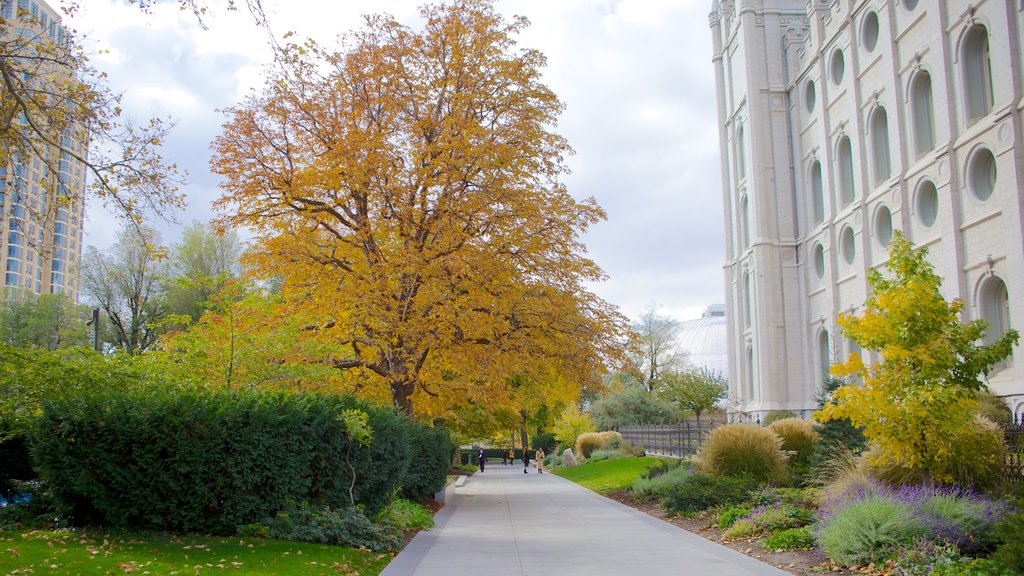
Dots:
{"x": 587, "y": 442}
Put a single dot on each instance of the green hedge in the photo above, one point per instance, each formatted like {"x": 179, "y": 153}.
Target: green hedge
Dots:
{"x": 211, "y": 462}
{"x": 430, "y": 450}
{"x": 15, "y": 463}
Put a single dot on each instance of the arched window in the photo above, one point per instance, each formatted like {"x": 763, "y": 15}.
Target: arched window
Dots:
{"x": 994, "y": 308}
{"x": 922, "y": 114}
{"x": 927, "y": 203}
{"x": 817, "y": 192}
{"x": 744, "y": 223}
{"x": 824, "y": 354}
{"x": 844, "y": 159}
{"x": 818, "y": 256}
{"x": 977, "y": 73}
{"x": 747, "y": 312}
{"x": 847, "y": 245}
{"x": 883, "y": 226}
{"x": 880, "y": 145}
{"x": 741, "y": 153}
{"x": 749, "y": 373}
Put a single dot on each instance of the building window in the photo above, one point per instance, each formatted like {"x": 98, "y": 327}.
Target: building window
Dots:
{"x": 883, "y": 226}
{"x": 844, "y": 154}
{"x": 869, "y": 32}
{"x": 879, "y": 127}
{"x": 824, "y": 354}
{"x": 810, "y": 96}
{"x": 741, "y": 153}
{"x": 851, "y": 349}
{"x": 817, "y": 192}
{"x": 910, "y": 4}
{"x": 818, "y": 255}
{"x": 847, "y": 245}
{"x": 744, "y": 223}
{"x": 927, "y": 203}
{"x": 922, "y": 114}
{"x": 977, "y": 73}
{"x": 749, "y": 373}
{"x": 981, "y": 173}
{"x": 994, "y": 308}
{"x": 837, "y": 67}
{"x": 746, "y": 299}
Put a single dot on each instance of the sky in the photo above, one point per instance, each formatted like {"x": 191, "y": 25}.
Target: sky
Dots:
{"x": 636, "y": 77}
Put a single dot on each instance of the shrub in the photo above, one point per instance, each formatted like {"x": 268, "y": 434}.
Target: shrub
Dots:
{"x": 1010, "y": 534}
{"x": 322, "y": 525}
{"x": 656, "y": 487}
{"x": 632, "y": 406}
{"x": 808, "y": 498}
{"x": 429, "y": 449}
{"x": 588, "y": 442}
{"x": 545, "y": 440}
{"x": 962, "y": 518}
{"x": 730, "y": 515}
{"x": 793, "y": 539}
{"x": 406, "y": 515}
{"x": 697, "y": 492}
{"x": 599, "y": 455}
{"x": 867, "y": 530}
{"x": 799, "y": 438}
{"x": 17, "y": 464}
{"x": 210, "y": 462}
{"x": 770, "y": 518}
{"x": 744, "y": 450}
{"x": 776, "y": 415}
{"x": 661, "y": 466}
{"x": 35, "y": 508}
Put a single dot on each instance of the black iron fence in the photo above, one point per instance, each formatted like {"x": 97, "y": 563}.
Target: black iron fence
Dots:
{"x": 669, "y": 439}
{"x": 1013, "y": 432}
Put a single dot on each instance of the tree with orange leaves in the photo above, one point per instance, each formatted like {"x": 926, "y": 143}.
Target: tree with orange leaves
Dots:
{"x": 408, "y": 191}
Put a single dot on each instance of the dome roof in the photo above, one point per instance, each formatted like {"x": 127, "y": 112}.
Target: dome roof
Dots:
{"x": 704, "y": 340}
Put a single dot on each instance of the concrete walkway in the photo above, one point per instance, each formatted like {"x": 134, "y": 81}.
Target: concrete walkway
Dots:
{"x": 503, "y": 522}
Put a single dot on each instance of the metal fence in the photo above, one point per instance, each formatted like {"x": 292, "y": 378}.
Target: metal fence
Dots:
{"x": 670, "y": 439}
{"x": 1013, "y": 432}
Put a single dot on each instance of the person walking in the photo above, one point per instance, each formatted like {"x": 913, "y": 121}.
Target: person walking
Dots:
{"x": 481, "y": 458}
{"x": 511, "y": 455}
{"x": 540, "y": 460}
{"x": 526, "y": 459}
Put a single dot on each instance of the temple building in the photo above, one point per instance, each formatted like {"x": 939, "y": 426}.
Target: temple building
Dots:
{"x": 841, "y": 122}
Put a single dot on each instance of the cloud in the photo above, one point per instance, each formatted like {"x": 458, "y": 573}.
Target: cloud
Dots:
{"x": 635, "y": 75}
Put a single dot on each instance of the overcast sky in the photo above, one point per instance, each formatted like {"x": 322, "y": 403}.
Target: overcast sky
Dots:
{"x": 636, "y": 77}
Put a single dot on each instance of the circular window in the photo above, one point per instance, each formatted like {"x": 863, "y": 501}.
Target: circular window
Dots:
{"x": 869, "y": 33}
{"x": 981, "y": 173}
{"x": 910, "y": 4}
{"x": 837, "y": 67}
{"x": 819, "y": 260}
{"x": 847, "y": 245}
{"x": 809, "y": 95}
{"x": 927, "y": 203}
{"x": 883, "y": 226}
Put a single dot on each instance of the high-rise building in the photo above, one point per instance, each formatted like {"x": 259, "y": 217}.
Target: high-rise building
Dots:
{"x": 842, "y": 121}
{"x": 42, "y": 185}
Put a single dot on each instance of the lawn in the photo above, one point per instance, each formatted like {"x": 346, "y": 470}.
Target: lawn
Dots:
{"x": 607, "y": 476}
{"x": 41, "y": 552}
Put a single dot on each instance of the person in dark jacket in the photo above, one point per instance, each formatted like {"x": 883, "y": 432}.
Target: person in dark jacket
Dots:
{"x": 526, "y": 460}
{"x": 481, "y": 458}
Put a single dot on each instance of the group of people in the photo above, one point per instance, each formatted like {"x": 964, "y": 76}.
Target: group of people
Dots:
{"x": 510, "y": 458}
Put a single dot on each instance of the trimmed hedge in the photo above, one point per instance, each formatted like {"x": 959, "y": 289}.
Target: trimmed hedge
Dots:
{"x": 211, "y": 462}
{"x": 430, "y": 450}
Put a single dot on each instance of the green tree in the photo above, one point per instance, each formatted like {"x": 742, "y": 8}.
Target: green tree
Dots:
{"x": 631, "y": 406}
{"x": 696, "y": 389}
{"x": 653, "y": 347}
{"x": 124, "y": 283}
{"x": 918, "y": 401}
{"x": 48, "y": 321}
{"x": 200, "y": 265}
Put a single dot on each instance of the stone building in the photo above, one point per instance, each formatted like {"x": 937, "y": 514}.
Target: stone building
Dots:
{"x": 842, "y": 121}
{"x": 42, "y": 186}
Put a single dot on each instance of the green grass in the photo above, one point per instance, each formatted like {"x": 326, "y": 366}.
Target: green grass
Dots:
{"x": 607, "y": 476}
{"x": 40, "y": 552}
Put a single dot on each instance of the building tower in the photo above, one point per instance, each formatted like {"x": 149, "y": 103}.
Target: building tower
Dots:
{"x": 42, "y": 184}
{"x": 842, "y": 121}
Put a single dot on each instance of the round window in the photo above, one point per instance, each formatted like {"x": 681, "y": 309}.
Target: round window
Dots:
{"x": 927, "y": 203}
{"x": 848, "y": 247}
{"x": 910, "y": 4}
{"x": 819, "y": 260}
{"x": 883, "y": 226}
{"x": 809, "y": 95}
{"x": 869, "y": 33}
{"x": 981, "y": 173}
{"x": 837, "y": 67}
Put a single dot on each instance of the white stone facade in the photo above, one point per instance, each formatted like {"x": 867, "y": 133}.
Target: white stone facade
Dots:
{"x": 841, "y": 121}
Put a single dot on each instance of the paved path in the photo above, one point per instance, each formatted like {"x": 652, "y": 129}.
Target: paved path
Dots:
{"x": 503, "y": 522}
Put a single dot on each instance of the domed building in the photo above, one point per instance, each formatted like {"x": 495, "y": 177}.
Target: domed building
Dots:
{"x": 704, "y": 341}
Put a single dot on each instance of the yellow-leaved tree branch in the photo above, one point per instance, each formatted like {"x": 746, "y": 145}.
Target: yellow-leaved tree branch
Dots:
{"x": 407, "y": 189}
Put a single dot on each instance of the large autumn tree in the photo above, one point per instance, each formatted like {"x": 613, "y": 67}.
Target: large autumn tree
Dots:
{"x": 407, "y": 188}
